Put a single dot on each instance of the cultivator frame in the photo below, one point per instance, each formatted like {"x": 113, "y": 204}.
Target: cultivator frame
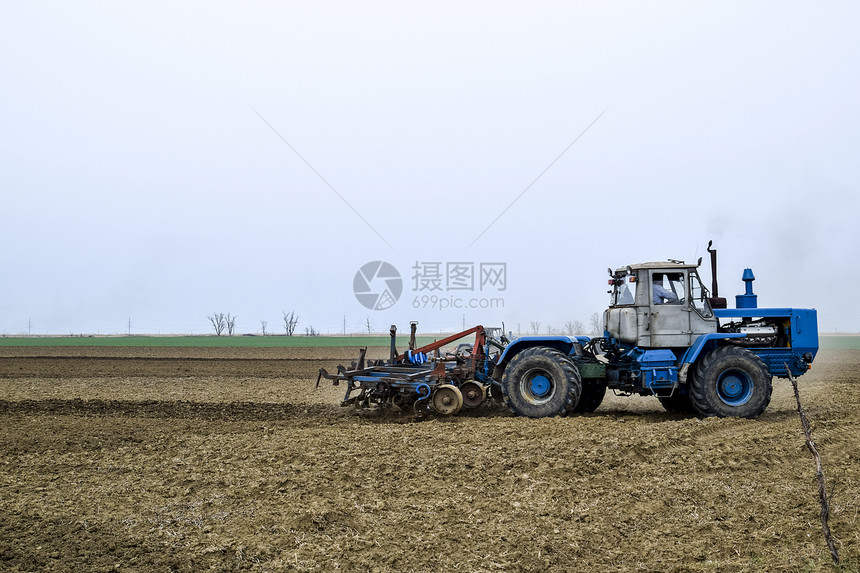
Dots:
{"x": 421, "y": 378}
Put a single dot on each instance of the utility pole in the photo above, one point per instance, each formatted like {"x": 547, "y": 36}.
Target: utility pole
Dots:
{"x": 344, "y": 325}
{"x": 129, "y": 326}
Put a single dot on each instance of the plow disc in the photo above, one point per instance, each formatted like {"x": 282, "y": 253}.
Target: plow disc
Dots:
{"x": 474, "y": 394}
{"x": 447, "y": 400}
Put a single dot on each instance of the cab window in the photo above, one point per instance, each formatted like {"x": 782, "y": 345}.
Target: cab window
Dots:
{"x": 667, "y": 288}
{"x": 623, "y": 291}
{"x": 699, "y": 296}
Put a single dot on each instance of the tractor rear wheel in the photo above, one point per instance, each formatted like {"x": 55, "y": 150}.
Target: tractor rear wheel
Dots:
{"x": 591, "y": 397}
{"x": 730, "y": 381}
{"x": 540, "y": 382}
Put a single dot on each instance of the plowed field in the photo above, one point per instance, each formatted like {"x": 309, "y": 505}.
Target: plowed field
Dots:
{"x": 163, "y": 459}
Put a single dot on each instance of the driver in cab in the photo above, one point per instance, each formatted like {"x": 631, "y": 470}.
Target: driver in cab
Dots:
{"x": 662, "y": 295}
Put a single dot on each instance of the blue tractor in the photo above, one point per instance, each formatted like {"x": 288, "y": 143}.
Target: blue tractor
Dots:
{"x": 665, "y": 335}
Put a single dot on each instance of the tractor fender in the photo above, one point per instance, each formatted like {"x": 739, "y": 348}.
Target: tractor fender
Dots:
{"x": 702, "y": 343}
{"x": 561, "y": 343}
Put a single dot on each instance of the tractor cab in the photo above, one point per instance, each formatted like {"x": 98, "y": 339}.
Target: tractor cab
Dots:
{"x": 658, "y": 305}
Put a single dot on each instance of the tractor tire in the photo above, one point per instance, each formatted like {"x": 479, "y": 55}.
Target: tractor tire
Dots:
{"x": 540, "y": 382}
{"x": 590, "y": 398}
{"x": 678, "y": 403}
{"x": 730, "y": 381}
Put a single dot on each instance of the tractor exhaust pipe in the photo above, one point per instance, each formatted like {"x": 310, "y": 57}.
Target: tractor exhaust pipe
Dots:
{"x": 716, "y": 300}
{"x": 713, "y": 252}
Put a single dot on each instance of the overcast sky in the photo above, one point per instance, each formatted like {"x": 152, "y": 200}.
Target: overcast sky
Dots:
{"x": 161, "y": 162}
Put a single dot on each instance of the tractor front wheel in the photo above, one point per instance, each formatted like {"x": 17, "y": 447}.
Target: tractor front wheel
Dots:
{"x": 541, "y": 382}
{"x": 730, "y": 382}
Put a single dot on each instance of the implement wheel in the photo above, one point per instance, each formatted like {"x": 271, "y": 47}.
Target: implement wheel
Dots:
{"x": 447, "y": 400}
{"x": 473, "y": 394}
{"x": 731, "y": 382}
{"x": 540, "y": 382}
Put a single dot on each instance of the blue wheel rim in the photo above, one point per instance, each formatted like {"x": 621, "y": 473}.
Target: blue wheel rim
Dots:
{"x": 540, "y": 385}
{"x": 735, "y": 387}
{"x": 537, "y": 386}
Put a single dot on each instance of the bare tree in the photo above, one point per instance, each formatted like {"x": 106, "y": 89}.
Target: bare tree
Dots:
{"x": 263, "y": 325}
{"x": 535, "y": 326}
{"x": 368, "y": 326}
{"x": 596, "y": 324}
{"x": 291, "y": 319}
{"x": 219, "y": 322}
{"x": 311, "y": 331}
{"x": 572, "y": 327}
{"x": 231, "y": 323}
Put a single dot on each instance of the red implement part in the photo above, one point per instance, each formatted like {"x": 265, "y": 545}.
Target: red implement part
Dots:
{"x": 477, "y": 348}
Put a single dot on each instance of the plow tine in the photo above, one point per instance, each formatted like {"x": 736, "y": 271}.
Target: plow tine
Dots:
{"x": 335, "y": 378}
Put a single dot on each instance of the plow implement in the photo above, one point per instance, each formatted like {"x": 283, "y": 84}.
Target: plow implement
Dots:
{"x": 423, "y": 378}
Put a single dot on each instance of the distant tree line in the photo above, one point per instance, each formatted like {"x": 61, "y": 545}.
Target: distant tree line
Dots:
{"x": 226, "y": 323}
